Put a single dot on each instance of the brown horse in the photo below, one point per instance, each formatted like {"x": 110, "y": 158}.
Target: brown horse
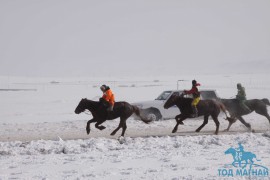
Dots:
{"x": 235, "y": 110}
{"x": 205, "y": 108}
{"x": 121, "y": 109}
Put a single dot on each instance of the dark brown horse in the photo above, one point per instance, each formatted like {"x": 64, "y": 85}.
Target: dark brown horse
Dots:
{"x": 205, "y": 108}
{"x": 235, "y": 110}
{"x": 121, "y": 109}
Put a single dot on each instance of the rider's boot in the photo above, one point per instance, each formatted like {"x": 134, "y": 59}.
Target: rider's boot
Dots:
{"x": 194, "y": 111}
{"x": 245, "y": 107}
{"x": 109, "y": 111}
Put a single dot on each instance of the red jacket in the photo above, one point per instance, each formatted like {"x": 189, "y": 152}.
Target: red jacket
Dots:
{"x": 194, "y": 90}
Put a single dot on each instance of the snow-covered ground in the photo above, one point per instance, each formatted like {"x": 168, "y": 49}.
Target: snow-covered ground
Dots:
{"x": 31, "y": 123}
{"x": 179, "y": 157}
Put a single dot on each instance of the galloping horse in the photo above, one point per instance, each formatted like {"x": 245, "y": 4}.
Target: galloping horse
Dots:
{"x": 205, "y": 108}
{"x": 121, "y": 109}
{"x": 235, "y": 110}
{"x": 245, "y": 156}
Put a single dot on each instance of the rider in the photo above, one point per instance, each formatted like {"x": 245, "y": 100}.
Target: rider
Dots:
{"x": 107, "y": 98}
{"x": 241, "y": 97}
{"x": 196, "y": 97}
{"x": 240, "y": 147}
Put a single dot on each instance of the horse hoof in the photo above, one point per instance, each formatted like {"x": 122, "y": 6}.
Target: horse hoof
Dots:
{"x": 225, "y": 130}
{"x": 197, "y": 130}
{"x": 174, "y": 131}
{"x": 253, "y": 130}
{"x": 102, "y": 127}
{"x": 87, "y": 130}
{"x": 112, "y": 134}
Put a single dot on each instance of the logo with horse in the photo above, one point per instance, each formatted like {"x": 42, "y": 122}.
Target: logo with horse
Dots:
{"x": 244, "y": 164}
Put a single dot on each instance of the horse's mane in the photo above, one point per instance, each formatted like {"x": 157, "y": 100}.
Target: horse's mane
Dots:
{"x": 228, "y": 99}
{"x": 88, "y": 100}
{"x": 184, "y": 100}
{"x": 91, "y": 102}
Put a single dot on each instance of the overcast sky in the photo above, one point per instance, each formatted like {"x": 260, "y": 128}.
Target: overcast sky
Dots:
{"x": 133, "y": 37}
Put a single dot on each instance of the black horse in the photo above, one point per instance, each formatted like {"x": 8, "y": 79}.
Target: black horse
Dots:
{"x": 205, "y": 108}
{"x": 121, "y": 109}
{"x": 236, "y": 112}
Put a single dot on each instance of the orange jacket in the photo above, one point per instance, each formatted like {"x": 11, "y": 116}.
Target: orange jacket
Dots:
{"x": 108, "y": 96}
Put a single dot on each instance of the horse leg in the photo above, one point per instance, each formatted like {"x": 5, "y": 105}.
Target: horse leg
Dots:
{"x": 239, "y": 163}
{"x": 217, "y": 124}
{"x": 88, "y": 125}
{"x": 229, "y": 126}
{"x": 268, "y": 117}
{"x": 264, "y": 113}
{"x": 97, "y": 125}
{"x": 124, "y": 126}
{"x": 119, "y": 126}
{"x": 205, "y": 121}
{"x": 234, "y": 163}
{"x": 246, "y": 163}
{"x": 244, "y": 122}
{"x": 180, "y": 121}
{"x": 231, "y": 120}
{"x": 178, "y": 118}
{"x": 251, "y": 160}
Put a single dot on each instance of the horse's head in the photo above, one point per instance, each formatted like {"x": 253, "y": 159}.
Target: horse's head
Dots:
{"x": 81, "y": 106}
{"x": 230, "y": 151}
{"x": 171, "y": 101}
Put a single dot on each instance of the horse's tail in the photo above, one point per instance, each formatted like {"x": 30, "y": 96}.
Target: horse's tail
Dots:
{"x": 224, "y": 110}
{"x": 266, "y": 101}
{"x": 136, "y": 110}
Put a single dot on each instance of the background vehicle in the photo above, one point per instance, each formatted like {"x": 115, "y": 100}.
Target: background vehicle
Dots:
{"x": 154, "y": 109}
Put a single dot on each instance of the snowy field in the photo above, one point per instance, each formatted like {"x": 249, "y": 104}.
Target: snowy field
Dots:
{"x": 32, "y": 121}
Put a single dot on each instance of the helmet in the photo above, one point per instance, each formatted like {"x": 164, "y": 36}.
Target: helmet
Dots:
{"x": 103, "y": 87}
{"x": 239, "y": 85}
{"x": 194, "y": 82}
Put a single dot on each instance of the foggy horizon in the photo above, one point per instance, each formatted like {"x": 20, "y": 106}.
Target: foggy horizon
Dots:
{"x": 133, "y": 38}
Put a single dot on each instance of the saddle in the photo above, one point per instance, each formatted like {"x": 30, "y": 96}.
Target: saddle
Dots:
{"x": 242, "y": 106}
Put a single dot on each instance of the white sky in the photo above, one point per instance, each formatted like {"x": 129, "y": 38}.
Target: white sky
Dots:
{"x": 139, "y": 37}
